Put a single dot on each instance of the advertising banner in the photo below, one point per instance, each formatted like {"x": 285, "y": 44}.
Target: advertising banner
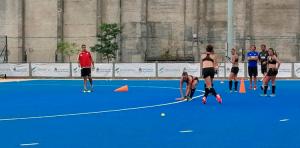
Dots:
{"x": 176, "y": 69}
{"x": 100, "y": 70}
{"x": 135, "y": 70}
{"x": 285, "y": 70}
{"x": 50, "y": 69}
{"x": 15, "y": 70}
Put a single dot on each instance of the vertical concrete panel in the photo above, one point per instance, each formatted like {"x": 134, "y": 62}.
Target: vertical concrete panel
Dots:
{"x": 111, "y": 11}
{"x": 166, "y": 27}
{"x": 41, "y": 30}
{"x": 3, "y": 13}
{"x": 239, "y": 24}
{"x": 191, "y": 24}
{"x": 10, "y": 18}
{"x": 216, "y": 24}
{"x": 133, "y": 30}
{"x": 268, "y": 21}
{"x": 298, "y": 35}
{"x": 202, "y": 25}
{"x": 269, "y": 16}
{"x": 80, "y": 22}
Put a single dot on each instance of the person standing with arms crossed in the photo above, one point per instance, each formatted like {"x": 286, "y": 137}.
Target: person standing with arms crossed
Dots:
{"x": 85, "y": 62}
{"x": 252, "y": 57}
{"x": 262, "y": 57}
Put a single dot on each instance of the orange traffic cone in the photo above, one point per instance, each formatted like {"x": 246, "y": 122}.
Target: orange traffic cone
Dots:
{"x": 242, "y": 86}
{"x": 122, "y": 89}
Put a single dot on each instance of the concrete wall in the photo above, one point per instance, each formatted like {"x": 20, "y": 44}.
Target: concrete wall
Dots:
{"x": 150, "y": 28}
{"x": 41, "y": 30}
{"x": 80, "y": 22}
{"x": 10, "y": 24}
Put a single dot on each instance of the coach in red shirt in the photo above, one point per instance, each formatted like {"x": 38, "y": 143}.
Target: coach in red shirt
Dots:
{"x": 86, "y": 62}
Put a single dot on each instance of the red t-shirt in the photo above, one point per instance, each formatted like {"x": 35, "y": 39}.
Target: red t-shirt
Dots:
{"x": 85, "y": 59}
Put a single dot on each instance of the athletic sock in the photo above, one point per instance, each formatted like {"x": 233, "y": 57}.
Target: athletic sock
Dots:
{"x": 206, "y": 92}
{"x": 273, "y": 89}
{"x": 230, "y": 85}
{"x": 265, "y": 89}
{"x": 213, "y": 91}
{"x": 235, "y": 85}
{"x": 192, "y": 92}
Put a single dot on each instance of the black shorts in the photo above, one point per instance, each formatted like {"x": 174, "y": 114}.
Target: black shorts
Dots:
{"x": 263, "y": 68}
{"x": 208, "y": 72}
{"x": 272, "y": 72}
{"x": 252, "y": 71}
{"x": 235, "y": 70}
{"x": 86, "y": 72}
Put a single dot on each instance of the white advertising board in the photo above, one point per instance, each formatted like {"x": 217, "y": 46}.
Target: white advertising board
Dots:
{"x": 285, "y": 70}
{"x": 135, "y": 70}
{"x": 15, "y": 70}
{"x": 176, "y": 69}
{"x": 100, "y": 70}
{"x": 50, "y": 69}
{"x": 297, "y": 69}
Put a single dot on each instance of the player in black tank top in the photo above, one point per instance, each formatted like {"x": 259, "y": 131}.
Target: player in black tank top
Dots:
{"x": 273, "y": 65}
{"x": 234, "y": 70}
{"x": 208, "y": 72}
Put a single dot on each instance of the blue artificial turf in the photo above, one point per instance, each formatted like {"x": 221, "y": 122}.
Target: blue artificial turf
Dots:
{"x": 130, "y": 119}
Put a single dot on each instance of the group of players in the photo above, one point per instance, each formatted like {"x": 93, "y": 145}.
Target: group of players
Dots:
{"x": 268, "y": 60}
{"x": 269, "y": 67}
